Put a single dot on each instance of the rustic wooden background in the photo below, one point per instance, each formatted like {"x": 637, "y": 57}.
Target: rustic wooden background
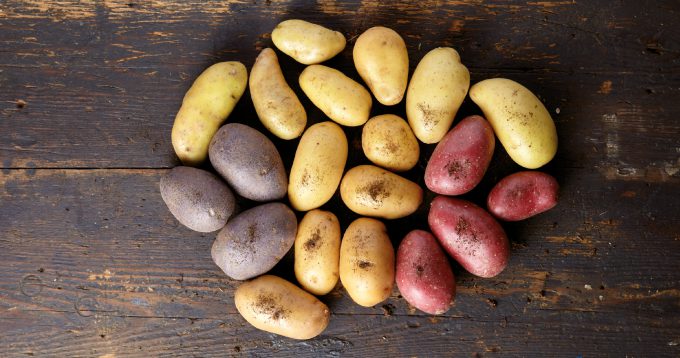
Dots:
{"x": 93, "y": 264}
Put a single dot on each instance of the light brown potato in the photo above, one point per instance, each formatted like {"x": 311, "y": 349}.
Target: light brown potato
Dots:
{"x": 317, "y": 252}
{"x": 388, "y": 141}
{"x": 367, "y": 262}
{"x": 306, "y": 42}
{"x": 275, "y": 305}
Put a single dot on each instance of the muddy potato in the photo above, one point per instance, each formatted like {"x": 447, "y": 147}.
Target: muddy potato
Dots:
{"x": 381, "y": 59}
{"x": 522, "y": 195}
{"x": 306, "y": 42}
{"x": 424, "y": 276}
{"x": 249, "y": 162}
{"x": 372, "y": 191}
{"x": 519, "y": 119}
{"x": 277, "y": 306}
{"x": 367, "y": 262}
{"x": 255, "y": 240}
{"x": 388, "y": 141}
{"x": 198, "y": 199}
{"x": 470, "y": 235}
{"x": 460, "y": 160}
{"x": 205, "y": 106}
{"x": 317, "y": 252}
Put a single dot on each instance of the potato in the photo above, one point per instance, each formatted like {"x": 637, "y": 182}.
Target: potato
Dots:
{"x": 249, "y": 162}
{"x": 317, "y": 252}
{"x": 306, "y": 42}
{"x": 522, "y": 195}
{"x": 388, "y": 141}
{"x": 367, "y": 262}
{"x": 317, "y": 167}
{"x": 424, "y": 276}
{"x": 206, "y": 105}
{"x": 470, "y": 235}
{"x": 460, "y": 160}
{"x": 381, "y": 59}
{"x": 437, "y": 89}
{"x": 519, "y": 119}
{"x": 277, "y": 306}
{"x": 372, "y": 191}
{"x": 255, "y": 241}
{"x": 338, "y": 96}
{"x": 198, "y": 199}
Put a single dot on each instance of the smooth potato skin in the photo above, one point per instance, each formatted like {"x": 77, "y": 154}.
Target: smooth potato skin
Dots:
{"x": 522, "y": 195}
{"x": 205, "y": 106}
{"x": 275, "y": 305}
{"x": 387, "y": 141}
{"x": 306, "y": 42}
{"x": 460, "y": 160}
{"x": 198, "y": 199}
{"x": 470, "y": 235}
{"x": 317, "y": 252}
{"x": 520, "y": 120}
{"x": 424, "y": 276}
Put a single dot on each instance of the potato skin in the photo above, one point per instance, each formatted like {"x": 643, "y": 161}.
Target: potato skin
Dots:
{"x": 460, "y": 160}
{"x": 318, "y": 166}
{"x": 367, "y": 262}
{"x": 437, "y": 89}
{"x": 275, "y": 305}
{"x": 317, "y": 252}
{"x": 520, "y": 120}
{"x": 387, "y": 141}
{"x": 470, "y": 235}
{"x": 306, "y": 42}
{"x": 205, "y": 106}
{"x": 522, "y": 195}
{"x": 381, "y": 59}
{"x": 424, "y": 276}
{"x": 341, "y": 98}
{"x": 198, "y": 199}
{"x": 255, "y": 240}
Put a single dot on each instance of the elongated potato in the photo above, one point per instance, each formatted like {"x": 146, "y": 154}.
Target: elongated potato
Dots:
{"x": 522, "y": 195}
{"x": 372, "y": 191}
{"x": 206, "y": 105}
{"x": 367, "y": 262}
{"x": 341, "y": 98}
{"x": 388, "y": 141}
{"x": 317, "y": 167}
{"x": 275, "y": 305}
{"x": 317, "y": 252}
{"x": 306, "y": 42}
{"x": 437, "y": 89}
{"x": 277, "y": 106}
{"x": 520, "y": 120}
{"x": 381, "y": 59}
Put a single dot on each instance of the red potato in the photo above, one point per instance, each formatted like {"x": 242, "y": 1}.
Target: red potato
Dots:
{"x": 460, "y": 160}
{"x": 424, "y": 276}
{"x": 522, "y": 195}
{"x": 470, "y": 235}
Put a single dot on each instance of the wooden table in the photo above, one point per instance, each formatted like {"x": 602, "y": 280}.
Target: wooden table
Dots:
{"x": 93, "y": 263}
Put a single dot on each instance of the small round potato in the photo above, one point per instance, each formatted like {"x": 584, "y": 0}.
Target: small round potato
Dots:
{"x": 522, "y": 195}
{"x": 317, "y": 252}
{"x": 388, "y": 141}
{"x": 367, "y": 262}
{"x": 306, "y": 42}
{"x": 275, "y": 305}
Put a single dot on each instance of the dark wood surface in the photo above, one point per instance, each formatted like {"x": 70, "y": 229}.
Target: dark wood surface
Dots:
{"x": 93, "y": 264}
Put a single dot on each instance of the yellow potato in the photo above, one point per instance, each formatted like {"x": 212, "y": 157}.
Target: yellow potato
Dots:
{"x": 519, "y": 119}
{"x": 318, "y": 166}
{"x": 317, "y": 252}
{"x": 372, "y": 191}
{"x": 388, "y": 141}
{"x": 367, "y": 262}
{"x": 437, "y": 89}
{"x": 381, "y": 59}
{"x": 275, "y": 305}
{"x": 277, "y": 106}
{"x": 341, "y": 98}
{"x": 306, "y": 42}
{"x": 206, "y": 105}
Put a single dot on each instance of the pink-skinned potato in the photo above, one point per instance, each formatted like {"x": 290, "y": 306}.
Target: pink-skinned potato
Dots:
{"x": 470, "y": 235}
{"x": 424, "y": 276}
{"x": 522, "y": 195}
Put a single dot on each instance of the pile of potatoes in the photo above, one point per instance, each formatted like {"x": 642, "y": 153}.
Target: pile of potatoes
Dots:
{"x": 252, "y": 242}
